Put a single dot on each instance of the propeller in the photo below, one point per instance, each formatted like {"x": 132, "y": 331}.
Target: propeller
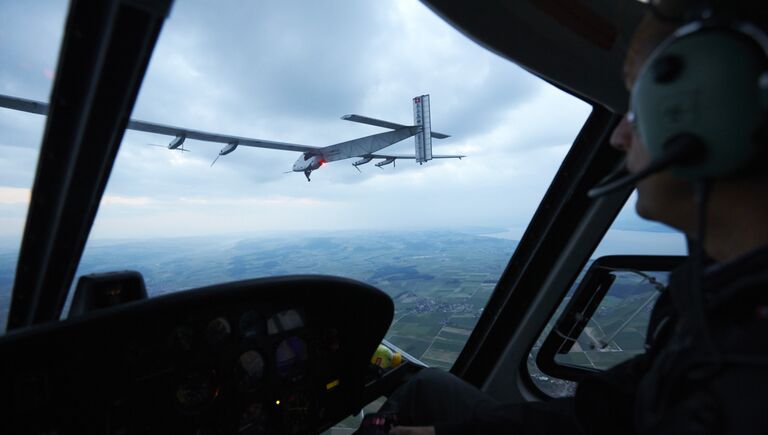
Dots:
{"x": 214, "y": 160}
{"x": 358, "y": 169}
{"x": 287, "y": 172}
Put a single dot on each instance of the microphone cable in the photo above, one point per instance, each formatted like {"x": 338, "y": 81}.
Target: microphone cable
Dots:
{"x": 679, "y": 150}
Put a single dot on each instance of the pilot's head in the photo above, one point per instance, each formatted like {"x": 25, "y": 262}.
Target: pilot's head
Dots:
{"x": 666, "y": 198}
{"x": 661, "y": 196}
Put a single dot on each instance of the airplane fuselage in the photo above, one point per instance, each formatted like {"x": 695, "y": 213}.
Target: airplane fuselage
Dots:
{"x": 307, "y": 162}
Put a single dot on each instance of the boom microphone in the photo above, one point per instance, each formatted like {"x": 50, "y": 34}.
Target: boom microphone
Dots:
{"x": 680, "y": 150}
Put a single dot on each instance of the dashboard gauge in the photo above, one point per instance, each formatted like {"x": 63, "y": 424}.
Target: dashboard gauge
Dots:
{"x": 250, "y": 368}
{"x": 296, "y": 412}
{"x": 251, "y": 325}
{"x": 289, "y": 353}
{"x": 217, "y": 330}
{"x": 284, "y": 321}
{"x": 196, "y": 391}
{"x": 331, "y": 339}
{"x": 252, "y": 420}
{"x": 182, "y": 339}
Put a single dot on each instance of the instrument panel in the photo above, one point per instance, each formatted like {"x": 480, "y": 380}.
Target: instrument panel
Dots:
{"x": 280, "y": 355}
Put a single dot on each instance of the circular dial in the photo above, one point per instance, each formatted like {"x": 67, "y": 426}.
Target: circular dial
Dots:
{"x": 250, "y": 369}
{"x": 252, "y": 325}
{"x": 217, "y": 330}
{"x": 196, "y": 390}
{"x": 289, "y": 353}
{"x": 182, "y": 339}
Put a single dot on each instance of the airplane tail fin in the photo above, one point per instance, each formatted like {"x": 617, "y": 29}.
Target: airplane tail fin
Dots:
{"x": 421, "y": 118}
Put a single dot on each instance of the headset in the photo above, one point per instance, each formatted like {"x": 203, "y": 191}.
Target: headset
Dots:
{"x": 700, "y": 103}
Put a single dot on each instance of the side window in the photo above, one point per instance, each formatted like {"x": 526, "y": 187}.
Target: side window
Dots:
{"x": 607, "y": 325}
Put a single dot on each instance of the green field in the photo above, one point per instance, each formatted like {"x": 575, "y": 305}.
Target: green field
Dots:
{"x": 438, "y": 280}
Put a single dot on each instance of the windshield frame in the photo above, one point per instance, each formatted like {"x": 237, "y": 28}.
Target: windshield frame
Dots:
{"x": 104, "y": 55}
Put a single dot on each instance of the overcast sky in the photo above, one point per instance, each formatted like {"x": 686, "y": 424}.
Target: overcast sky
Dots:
{"x": 287, "y": 70}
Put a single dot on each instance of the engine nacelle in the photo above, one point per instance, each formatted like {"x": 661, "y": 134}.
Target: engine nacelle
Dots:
{"x": 386, "y": 162}
{"x": 362, "y": 161}
{"x": 177, "y": 142}
{"x": 228, "y": 149}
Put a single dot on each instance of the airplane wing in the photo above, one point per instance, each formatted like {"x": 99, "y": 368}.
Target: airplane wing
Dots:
{"x": 411, "y": 157}
{"x": 168, "y": 130}
{"x": 41, "y": 108}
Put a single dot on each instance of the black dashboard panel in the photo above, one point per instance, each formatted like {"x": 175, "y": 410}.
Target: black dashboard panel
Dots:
{"x": 277, "y": 355}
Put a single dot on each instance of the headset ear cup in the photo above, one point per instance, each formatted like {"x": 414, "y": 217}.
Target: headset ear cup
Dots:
{"x": 704, "y": 83}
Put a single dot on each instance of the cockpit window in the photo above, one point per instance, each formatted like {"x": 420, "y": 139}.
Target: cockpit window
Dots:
{"x": 435, "y": 236}
{"x": 30, "y": 36}
{"x": 616, "y": 331}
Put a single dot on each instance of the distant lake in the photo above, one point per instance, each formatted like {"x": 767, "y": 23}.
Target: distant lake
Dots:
{"x": 624, "y": 242}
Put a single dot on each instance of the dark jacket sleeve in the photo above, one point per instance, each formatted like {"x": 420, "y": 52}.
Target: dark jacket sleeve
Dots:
{"x": 554, "y": 416}
{"x": 603, "y": 404}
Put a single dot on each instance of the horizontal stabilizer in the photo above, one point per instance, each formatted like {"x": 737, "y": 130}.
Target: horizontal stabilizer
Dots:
{"x": 385, "y": 124}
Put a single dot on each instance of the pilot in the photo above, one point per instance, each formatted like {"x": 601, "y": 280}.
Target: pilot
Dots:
{"x": 706, "y": 365}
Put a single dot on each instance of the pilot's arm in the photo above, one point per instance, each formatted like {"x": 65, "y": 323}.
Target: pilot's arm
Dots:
{"x": 412, "y": 430}
{"x": 529, "y": 418}
{"x": 604, "y": 401}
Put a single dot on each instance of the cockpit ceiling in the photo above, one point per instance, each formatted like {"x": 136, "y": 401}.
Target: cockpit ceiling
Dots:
{"x": 576, "y": 44}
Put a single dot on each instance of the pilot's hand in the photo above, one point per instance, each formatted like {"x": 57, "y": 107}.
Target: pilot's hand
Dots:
{"x": 412, "y": 430}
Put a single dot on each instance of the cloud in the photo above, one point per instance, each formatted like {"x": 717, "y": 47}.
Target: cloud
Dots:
{"x": 20, "y": 130}
{"x": 286, "y": 71}
{"x": 134, "y": 201}
{"x": 14, "y": 195}
{"x": 30, "y": 37}
{"x": 250, "y": 201}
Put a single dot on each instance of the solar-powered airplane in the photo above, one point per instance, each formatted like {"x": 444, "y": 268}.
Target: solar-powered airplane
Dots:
{"x": 312, "y": 157}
